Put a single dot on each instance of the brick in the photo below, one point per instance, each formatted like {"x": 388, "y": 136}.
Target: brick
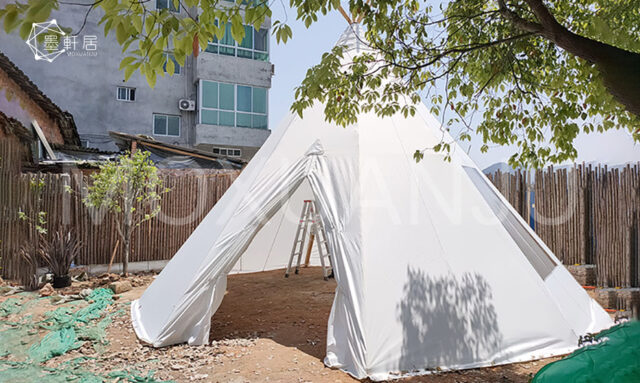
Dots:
{"x": 584, "y": 274}
{"x": 628, "y": 298}
{"x": 606, "y": 298}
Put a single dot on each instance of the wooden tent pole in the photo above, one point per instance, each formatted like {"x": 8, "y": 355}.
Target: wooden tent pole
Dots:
{"x": 113, "y": 255}
{"x": 344, "y": 14}
{"x": 308, "y": 256}
{"x": 361, "y": 15}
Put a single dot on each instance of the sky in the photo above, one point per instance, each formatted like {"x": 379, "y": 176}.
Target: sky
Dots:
{"x": 307, "y": 46}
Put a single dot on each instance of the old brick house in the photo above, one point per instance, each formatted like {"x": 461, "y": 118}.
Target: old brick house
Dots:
{"x": 22, "y": 104}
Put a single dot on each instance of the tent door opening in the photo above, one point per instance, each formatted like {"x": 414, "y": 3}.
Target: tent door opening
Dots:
{"x": 310, "y": 222}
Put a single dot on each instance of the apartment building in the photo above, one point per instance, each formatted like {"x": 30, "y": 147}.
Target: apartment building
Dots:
{"x": 218, "y": 101}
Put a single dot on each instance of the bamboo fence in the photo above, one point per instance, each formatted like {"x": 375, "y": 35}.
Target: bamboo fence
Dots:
{"x": 191, "y": 195}
{"x": 585, "y": 215}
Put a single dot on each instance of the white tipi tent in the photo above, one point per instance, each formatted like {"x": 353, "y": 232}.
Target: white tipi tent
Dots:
{"x": 434, "y": 269}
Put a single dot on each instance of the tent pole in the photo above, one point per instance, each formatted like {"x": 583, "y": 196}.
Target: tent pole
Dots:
{"x": 308, "y": 256}
{"x": 344, "y": 14}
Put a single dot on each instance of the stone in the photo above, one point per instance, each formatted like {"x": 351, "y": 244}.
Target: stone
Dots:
{"x": 78, "y": 271}
{"x": 606, "y": 298}
{"x": 83, "y": 276}
{"x": 120, "y": 287}
{"x": 628, "y": 298}
{"x": 584, "y": 274}
{"x": 47, "y": 290}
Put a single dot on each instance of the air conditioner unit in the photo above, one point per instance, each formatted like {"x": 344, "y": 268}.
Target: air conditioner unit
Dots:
{"x": 186, "y": 105}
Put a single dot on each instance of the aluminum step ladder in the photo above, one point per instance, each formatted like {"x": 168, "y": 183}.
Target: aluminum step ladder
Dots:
{"x": 310, "y": 222}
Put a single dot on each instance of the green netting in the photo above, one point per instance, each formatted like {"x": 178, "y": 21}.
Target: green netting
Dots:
{"x": 10, "y": 306}
{"x": 71, "y": 371}
{"x": 66, "y": 328}
{"x": 616, "y": 358}
{"x": 15, "y": 341}
{"x": 55, "y": 343}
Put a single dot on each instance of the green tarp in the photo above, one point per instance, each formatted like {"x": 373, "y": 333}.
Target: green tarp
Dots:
{"x": 615, "y": 358}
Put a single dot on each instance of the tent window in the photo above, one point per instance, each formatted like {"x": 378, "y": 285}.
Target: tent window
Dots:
{"x": 537, "y": 256}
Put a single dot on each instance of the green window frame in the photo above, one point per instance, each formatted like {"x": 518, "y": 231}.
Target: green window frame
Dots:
{"x": 232, "y": 105}
{"x": 166, "y": 125}
{"x": 168, "y": 4}
{"x": 255, "y": 44}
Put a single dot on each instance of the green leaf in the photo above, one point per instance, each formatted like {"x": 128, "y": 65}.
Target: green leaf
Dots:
{"x": 151, "y": 78}
{"x": 25, "y": 29}
{"x": 126, "y": 61}
{"x": 129, "y": 71}
{"x": 10, "y": 21}
{"x": 121, "y": 33}
{"x": 136, "y": 20}
{"x": 170, "y": 67}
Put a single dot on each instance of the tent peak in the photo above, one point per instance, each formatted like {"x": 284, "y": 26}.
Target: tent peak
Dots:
{"x": 316, "y": 149}
{"x": 353, "y": 19}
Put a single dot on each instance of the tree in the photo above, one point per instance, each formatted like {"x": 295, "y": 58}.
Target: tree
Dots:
{"x": 534, "y": 72}
{"x": 36, "y": 221}
{"x": 131, "y": 190}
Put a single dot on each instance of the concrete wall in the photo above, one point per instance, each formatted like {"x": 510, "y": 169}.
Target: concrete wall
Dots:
{"x": 247, "y": 151}
{"x": 227, "y": 135}
{"x": 208, "y": 136}
{"x": 233, "y": 70}
{"x": 86, "y": 86}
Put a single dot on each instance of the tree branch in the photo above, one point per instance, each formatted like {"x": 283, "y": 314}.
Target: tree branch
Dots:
{"x": 620, "y": 69}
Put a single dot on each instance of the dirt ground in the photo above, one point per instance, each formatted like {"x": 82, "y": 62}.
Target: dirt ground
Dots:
{"x": 259, "y": 334}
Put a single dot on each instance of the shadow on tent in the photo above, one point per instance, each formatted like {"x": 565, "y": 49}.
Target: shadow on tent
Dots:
{"x": 446, "y": 320}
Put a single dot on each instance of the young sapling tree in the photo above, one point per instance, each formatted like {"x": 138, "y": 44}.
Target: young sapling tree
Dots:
{"x": 130, "y": 189}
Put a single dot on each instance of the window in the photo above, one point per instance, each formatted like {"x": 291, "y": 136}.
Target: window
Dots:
{"x": 172, "y": 5}
{"x": 233, "y": 105}
{"x": 514, "y": 225}
{"x": 126, "y": 94}
{"x": 255, "y": 44}
{"x": 228, "y": 152}
{"x": 166, "y": 125}
{"x": 176, "y": 66}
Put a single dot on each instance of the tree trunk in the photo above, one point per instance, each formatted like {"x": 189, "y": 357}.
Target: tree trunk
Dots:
{"x": 128, "y": 220}
{"x": 127, "y": 249}
{"x": 619, "y": 68}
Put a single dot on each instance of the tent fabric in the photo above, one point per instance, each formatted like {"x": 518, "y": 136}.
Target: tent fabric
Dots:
{"x": 428, "y": 276}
